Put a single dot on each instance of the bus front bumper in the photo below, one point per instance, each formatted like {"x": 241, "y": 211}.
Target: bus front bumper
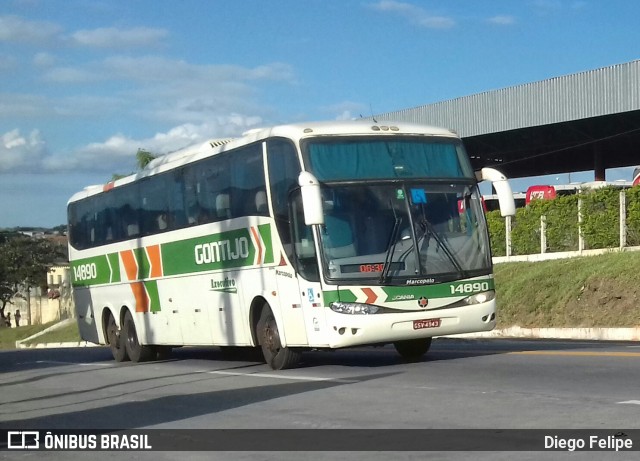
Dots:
{"x": 347, "y": 330}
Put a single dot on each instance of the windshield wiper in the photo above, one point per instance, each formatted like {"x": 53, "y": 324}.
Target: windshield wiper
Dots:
{"x": 388, "y": 257}
{"x": 429, "y": 229}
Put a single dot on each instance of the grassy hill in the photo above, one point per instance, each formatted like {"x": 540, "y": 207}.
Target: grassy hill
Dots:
{"x": 593, "y": 291}
{"x": 9, "y": 336}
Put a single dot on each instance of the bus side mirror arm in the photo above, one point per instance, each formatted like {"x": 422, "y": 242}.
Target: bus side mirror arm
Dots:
{"x": 502, "y": 187}
{"x": 311, "y": 198}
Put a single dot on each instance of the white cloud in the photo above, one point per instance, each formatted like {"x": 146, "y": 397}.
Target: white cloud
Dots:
{"x": 117, "y": 153}
{"x": 8, "y": 63}
{"x": 155, "y": 70}
{"x": 111, "y": 37}
{"x": 347, "y": 110}
{"x": 193, "y": 103}
{"x": 18, "y": 152}
{"x": 24, "y": 105}
{"x": 172, "y": 91}
{"x": 71, "y": 75}
{"x": 414, "y": 14}
{"x": 547, "y": 6}
{"x": 16, "y": 29}
{"x": 345, "y": 115}
{"x": 44, "y": 59}
{"x": 502, "y": 20}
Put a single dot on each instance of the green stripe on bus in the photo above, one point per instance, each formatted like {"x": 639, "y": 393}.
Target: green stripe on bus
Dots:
{"x": 144, "y": 265}
{"x": 404, "y": 293}
{"x": 225, "y": 250}
{"x": 114, "y": 263}
{"x": 91, "y": 271}
{"x": 154, "y": 297}
{"x": 265, "y": 233}
{"x": 346, "y": 296}
{"x": 441, "y": 290}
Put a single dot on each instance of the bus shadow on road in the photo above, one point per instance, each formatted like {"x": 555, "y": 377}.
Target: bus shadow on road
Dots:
{"x": 446, "y": 349}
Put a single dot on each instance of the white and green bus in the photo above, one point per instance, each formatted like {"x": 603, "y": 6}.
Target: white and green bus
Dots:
{"x": 296, "y": 237}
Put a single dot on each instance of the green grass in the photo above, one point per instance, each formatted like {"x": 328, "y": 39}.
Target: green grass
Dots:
{"x": 68, "y": 333}
{"x": 594, "y": 291}
{"x": 9, "y": 336}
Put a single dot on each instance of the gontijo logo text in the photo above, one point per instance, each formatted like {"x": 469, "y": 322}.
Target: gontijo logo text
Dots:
{"x": 223, "y": 250}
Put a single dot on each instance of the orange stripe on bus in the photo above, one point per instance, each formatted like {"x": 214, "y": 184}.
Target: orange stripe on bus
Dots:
{"x": 256, "y": 237}
{"x": 153, "y": 252}
{"x": 142, "y": 300}
{"x": 130, "y": 264}
{"x": 371, "y": 295}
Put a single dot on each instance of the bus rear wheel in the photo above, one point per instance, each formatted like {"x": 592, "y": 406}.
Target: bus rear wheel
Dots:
{"x": 116, "y": 341}
{"x": 136, "y": 351}
{"x": 276, "y": 356}
{"x": 412, "y": 349}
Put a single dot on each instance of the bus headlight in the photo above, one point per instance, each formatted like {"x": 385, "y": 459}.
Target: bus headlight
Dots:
{"x": 478, "y": 298}
{"x": 353, "y": 308}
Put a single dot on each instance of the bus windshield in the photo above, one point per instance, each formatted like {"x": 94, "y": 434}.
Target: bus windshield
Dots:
{"x": 398, "y": 210}
{"x": 396, "y": 233}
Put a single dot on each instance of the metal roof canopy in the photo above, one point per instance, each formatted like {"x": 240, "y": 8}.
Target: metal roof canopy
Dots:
{"x": 578, "y": 122}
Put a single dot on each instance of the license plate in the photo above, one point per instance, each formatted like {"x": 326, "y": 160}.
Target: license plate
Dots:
{"x": 428, "y": 323}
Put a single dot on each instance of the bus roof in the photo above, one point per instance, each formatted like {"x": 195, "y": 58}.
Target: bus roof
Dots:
{"x": 294, "y": 131}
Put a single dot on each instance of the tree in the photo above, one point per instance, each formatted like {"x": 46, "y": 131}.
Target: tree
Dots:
{"x": 143, "y": 158}
{"x": 6, "y": 293}
{"x": 61, "y": 229}
{"x": 24, "y": 263}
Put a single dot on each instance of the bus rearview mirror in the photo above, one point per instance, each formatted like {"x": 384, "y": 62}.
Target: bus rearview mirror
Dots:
{"x": 503, "y": 190}
{"x": 311, "y": 198}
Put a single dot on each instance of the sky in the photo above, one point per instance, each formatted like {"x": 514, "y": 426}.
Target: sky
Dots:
{"x": 85, "y": 84}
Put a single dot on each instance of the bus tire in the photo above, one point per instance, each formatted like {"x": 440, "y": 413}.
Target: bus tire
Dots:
{"x": 413, "y": 349}
{"x": 276, "y": 356}
{"x": 116, "y": 341}
{"x": 136, "y": 351}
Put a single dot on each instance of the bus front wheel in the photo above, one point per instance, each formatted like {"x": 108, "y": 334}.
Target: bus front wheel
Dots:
{"x": 116, "y": 341}
{"x": 136, "y": 351}
{"x": 413, "y": 349}
{"x": 276, "y": 356}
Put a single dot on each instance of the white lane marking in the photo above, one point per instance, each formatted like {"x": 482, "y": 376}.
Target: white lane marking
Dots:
{"x": 55, "y": 362}
{"x": 278, "y": 376}
{"x": 632, "y": 402}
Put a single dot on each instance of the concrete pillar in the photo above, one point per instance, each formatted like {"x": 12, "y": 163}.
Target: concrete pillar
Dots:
{"x": 598, "y": 163}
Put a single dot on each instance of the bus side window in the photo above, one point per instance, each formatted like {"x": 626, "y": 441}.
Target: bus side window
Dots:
{"x": 130, "y": 227}
{"x": 284, "y": 169}
{"x": 303, "y": 241}
{"x": 339, "y": 241}
{"x": 223, "y": 206}
{"x": 262, "y": 208}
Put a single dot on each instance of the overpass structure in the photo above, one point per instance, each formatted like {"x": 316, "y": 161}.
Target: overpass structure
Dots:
{"x": 578, "y": 122}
